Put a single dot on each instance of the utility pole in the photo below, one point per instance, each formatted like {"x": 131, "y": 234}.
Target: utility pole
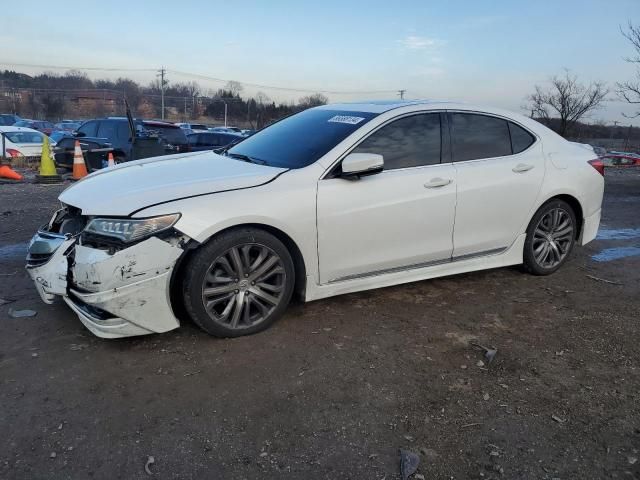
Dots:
{"x": 161, "y": 74}
{"x": 401, "y": 93}
{"x": 225, "y": 113}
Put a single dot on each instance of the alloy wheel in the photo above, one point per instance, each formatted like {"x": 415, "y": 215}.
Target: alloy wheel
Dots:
{"x": 552, "y": 238}
{"x": 243, "y": 286}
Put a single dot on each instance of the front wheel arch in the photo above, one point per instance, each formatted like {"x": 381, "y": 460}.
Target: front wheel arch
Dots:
{"x": 296, "y": 255}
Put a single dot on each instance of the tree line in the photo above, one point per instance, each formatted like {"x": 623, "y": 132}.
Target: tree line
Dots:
{"x": 54, "y": 96}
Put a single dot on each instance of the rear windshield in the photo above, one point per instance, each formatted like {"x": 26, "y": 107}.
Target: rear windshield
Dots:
{"x": 301, "y": 139}
{"x": 24, "y": 137}
{"x": 198, "y": 126}
{"x": 170, "y": 134}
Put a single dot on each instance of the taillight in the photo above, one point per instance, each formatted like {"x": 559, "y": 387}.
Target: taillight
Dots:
{"x": 13, "y": 153}
{"x": 598, "y": 164}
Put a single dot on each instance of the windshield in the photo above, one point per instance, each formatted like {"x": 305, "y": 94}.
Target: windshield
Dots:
{"x": 301, "y": 139}
{"x": 24, "y": 137}
{"x": 198, "y": 126}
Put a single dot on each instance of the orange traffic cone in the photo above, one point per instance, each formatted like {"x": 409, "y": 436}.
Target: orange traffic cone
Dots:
{"x": 110, "y": 161}
{"x": 79, "y": 167}
{"x": 7, "y": 172}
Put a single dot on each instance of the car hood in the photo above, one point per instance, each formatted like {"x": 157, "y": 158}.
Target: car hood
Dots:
{"x": 125, "y": 188}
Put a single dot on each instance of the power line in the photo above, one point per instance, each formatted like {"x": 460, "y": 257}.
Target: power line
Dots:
{"x": 287, "y": 89}
{"x": 59, "y": 67}
{"x": 205, "y": 77}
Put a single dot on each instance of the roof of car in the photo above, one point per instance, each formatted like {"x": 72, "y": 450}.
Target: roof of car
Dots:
{"x": 379, "y": 106}
{"x": 11, "y": 128}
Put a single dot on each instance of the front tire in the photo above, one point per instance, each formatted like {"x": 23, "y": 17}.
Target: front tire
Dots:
{"x": 239, "y": 283}
{"x": 550, "y": 238}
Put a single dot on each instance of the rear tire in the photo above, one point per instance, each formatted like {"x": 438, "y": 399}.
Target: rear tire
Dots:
{"x": 551, "y": 235}
{"x": 239, "y": 283}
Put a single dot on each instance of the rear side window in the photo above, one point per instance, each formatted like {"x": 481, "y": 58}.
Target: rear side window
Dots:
{"x": 520, "y": 138}
{"x": 89, "y": 128}
{"x": 476, "y": 136}
{"x": 107, "y": 129}
{"x": 408, "y": 142}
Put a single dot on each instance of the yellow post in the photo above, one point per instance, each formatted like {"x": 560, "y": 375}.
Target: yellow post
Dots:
{"x": 47, "y": 167}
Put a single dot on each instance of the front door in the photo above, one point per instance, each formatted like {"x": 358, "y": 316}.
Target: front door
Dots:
{"x": 399, "y": 218}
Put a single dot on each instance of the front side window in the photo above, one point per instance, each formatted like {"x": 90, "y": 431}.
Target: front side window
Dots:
{"x": 475, "y": 136}
{"x": 408, "y": 142}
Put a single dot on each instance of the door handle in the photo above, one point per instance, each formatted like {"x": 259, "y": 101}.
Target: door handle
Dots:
{"x": 522, "y": 167}
{"x": 438, "y": 182}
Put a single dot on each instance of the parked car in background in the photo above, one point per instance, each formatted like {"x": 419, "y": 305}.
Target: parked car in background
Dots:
{"x": 8, "y": 119}
{"x": 67, "y": 126}
{"x": 225, "y": 129}
{"x": 22, "y": 142}
{"x": 335, "y": 199}
{"x": 600, "y": 151}
{"x": 212, "y": 140}
{"x": 626, "y": 154}
{"x": 193, "y": 127}
{"x": 40, "y": 125}
{"x": 58, "y": 135}
{"x": 618, "y": 159}
{"x": 247, "y": 132}
{"x": 173, "y": 137}
{"x": 94, "y": 150}
{"x": 153, "y": 138}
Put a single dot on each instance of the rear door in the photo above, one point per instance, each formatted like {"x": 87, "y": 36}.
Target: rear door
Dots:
{"x": 500, "y": 169}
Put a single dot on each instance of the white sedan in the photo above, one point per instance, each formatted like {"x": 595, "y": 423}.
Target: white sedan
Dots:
{"x": 21, "y": 142}
{"x": 332, "y": 200}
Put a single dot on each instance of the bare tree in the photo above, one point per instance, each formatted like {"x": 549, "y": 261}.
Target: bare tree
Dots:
{"x": 629, "y": 91}
{"x": 262, "y": 98}
{"x": 566, "y": 99}
{"x": 234, "y": 87}
{"x": 314, "y": 100}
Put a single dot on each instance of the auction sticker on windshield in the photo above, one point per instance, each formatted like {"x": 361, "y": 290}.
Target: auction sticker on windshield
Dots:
{"x": 346, "y": 119}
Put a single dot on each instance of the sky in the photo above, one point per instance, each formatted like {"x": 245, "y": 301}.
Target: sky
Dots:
{"x": 488, "y": 52}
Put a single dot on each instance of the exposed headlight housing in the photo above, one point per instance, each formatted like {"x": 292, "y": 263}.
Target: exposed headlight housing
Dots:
{"x": 131, "y": 229}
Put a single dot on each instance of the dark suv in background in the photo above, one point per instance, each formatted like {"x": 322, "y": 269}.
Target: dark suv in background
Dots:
{"x": 153, "y": 138}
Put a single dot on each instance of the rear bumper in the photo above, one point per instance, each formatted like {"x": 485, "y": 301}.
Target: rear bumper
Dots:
{"x": 114, "y": 295}
{"x": 590, "y": 227}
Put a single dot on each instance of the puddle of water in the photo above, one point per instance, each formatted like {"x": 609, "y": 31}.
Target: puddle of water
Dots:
{"x": 13, "y": 251}
{"x": 609, "y": 254}
{"x": 618, "y": 234}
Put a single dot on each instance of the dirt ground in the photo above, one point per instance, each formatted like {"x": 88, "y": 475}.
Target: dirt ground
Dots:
{"x": 337, "y": 386}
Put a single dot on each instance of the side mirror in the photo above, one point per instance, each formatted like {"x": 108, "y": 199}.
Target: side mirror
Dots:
{"x": 356, "y": 165}
{"x": 79, "y": 134}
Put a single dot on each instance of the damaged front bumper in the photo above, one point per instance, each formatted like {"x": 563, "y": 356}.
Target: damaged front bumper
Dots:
{"x": 115, "y": 294}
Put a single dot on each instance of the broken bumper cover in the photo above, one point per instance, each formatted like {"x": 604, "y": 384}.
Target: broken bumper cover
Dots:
{"x": 114, "y": 295}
